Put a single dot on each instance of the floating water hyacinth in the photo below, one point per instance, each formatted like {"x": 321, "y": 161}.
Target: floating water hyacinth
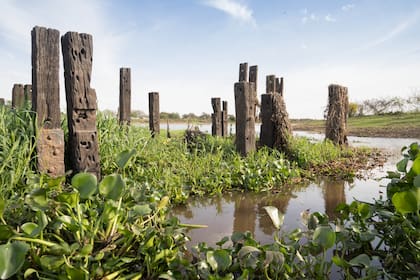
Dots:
{"x": 276, "y": 217}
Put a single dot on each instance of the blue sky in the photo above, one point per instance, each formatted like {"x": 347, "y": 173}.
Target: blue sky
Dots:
{"x": 190, "y": 50}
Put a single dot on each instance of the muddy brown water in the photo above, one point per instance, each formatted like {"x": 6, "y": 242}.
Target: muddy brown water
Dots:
{"x": 235, "y": 211}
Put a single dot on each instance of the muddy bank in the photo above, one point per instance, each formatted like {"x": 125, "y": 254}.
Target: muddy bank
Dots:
{"x": 389, "y": 132}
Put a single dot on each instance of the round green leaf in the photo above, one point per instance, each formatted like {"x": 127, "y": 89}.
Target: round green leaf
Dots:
{"x": 51, "y": 262}
{"x": 12, "y": 257}
{"x": 141, "y": 210}
{"x": 219, "y": 260}
{"x": 28, "y": 228}
{"x": 364, "y": 210}
{"x": 112, "y": 186}
{"x": 69, "y": 198}
{"x": 324, "y": 236}
{"x": 123, "y": 157}
{"x": 405, "y": 202}
{"x": 402, "y": 165}
{"x": 85, "y": 183}
{"x": 360, "y": 260}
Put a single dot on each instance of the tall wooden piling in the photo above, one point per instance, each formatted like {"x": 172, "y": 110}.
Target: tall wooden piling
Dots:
{"x": 243, "y": 72}
{"x": 83, "y": 150}
{"x": 125, "y": 96}
{"x": 27, "y": 89}
{"x": 216, "y": 117}
{"x": 270, "y": 84}
{"x": 1, "y": 101}
{"x": 18, "y": 96}
{"x": 245, "y": 117}
{"x": 338, "y": 106}
{"x": 45, "y": 96}
{"x": 225, "y": 131}
{"x": 154, "y": 113}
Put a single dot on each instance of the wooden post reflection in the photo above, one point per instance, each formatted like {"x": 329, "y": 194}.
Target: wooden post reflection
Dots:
{"x": 333, "y": 195}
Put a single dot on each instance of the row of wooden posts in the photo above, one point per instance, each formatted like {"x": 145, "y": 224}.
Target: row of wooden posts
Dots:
{"x": 276, "y": 128}
{"x": 82, "y": 150}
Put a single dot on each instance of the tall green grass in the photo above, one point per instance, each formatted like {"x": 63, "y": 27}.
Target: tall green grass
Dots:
{"x": 17, "y": 146}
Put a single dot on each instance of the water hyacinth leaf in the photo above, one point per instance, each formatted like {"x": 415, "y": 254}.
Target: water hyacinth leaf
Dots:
{"x": 163, "y": 202}
{"x": 112, "y": 186}
{"x": 51, "y": 262}
{"x": 416, "y": 166}
{"x": 12, "y": 257}
{"x": 37, "y": 199}
{"x": 29, "y": 272}
{"x": 141, "y": 210}
{"x": 360, "y": 260}
{"x": 416, "y": 181}
{"x": 312, "y": 222}
{"x": 69, "y": 198}
{"x": 29, "y": 228}
{"x": 245, "y": 250}
{"x": 364, "y": 210}
{"x": 324, "y": 236}
{"x": 402, "y": 165}
{"x": 123, "y": 157}
{"x": 237, "y": 237}
{"x": 75, "y": 273}
{"x": 219, "y": 260}
{"x": 85, "y": 183}
{"x": 274, "y": 257}
{"x": 340, "y": 262}
{"x": 405, "y": 202}
{"x": 276, "y": 217}
{"x": 5, "y": 232}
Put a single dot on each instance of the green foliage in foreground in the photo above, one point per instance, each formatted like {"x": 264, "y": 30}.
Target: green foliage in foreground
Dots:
{"x": 119, "y": 228}
{"x": 88, "y": 230}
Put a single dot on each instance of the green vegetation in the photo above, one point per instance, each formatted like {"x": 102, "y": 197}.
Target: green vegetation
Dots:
{"x": 387, "y": 125}
{"x": 119, "y": 228}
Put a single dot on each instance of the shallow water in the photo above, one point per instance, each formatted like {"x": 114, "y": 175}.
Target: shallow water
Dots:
{"x": 233, "y": 212}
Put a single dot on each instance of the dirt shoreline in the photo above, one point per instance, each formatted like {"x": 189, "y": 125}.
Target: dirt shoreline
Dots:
{"x": 387, "y": 132}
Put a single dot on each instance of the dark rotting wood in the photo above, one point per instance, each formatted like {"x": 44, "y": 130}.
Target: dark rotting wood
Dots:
{"x": 253, "y": 76}
{"x": 154, "y": 113}
{"x": 275, "y": 124}
{"x": 270, "y": 84}
{"x": 18, "y": 96}
{"x": 216, "y": 117}
{"x": 225, "y": 119}
{"x": 83, "y": 149}
{"x": 245, "y": 118}
{"x": 337, "y": 112}
{"x": 45, "y": 77}
{"x": 243, "y": 72}
{"x": 125, "y": 96}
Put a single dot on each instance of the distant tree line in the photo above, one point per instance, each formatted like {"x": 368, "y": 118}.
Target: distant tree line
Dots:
{"x": 385, "y": 105}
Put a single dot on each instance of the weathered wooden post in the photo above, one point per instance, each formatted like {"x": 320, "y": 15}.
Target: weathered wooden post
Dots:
{"x": 83, "y": 150}
{"x": 45, "y": 98}
{"x": 275, "y": 124}
{"x": 1, "y": 101}
{"x": 125, "y": 95}
{"x": 338, "y": 104}
{"x": 18, "y": 96}
{"x": 154, "y": 113}
{"x": 225, "y": 119}
{"x": 216, "y": 117}
{"x": 245, "y": 117}
{"x": 27, "y": 89}
{"x": 243, "y": 72}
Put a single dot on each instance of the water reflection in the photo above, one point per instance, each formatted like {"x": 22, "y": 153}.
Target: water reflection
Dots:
{"x": 232, "y": 212}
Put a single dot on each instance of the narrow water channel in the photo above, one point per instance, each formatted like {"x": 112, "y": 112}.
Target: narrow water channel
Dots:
{"x": 233, "y": 212}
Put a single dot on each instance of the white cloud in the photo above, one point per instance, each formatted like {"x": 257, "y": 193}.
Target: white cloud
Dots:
{"x": 234, "y": 9}
{"x": 329, "y": 18}
{"x": 310, "y": 17}
{"x": 347, "y": 7}
{"x": 394, "y": 32}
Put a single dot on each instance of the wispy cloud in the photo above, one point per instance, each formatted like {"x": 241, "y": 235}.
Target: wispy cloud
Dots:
{"x": 329, "y": 18}
{"x": 347, "y": 7}
{"x": 312, "y": 17}
{"x": 234, "y": 9}
{"x": 394, "y": 32}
